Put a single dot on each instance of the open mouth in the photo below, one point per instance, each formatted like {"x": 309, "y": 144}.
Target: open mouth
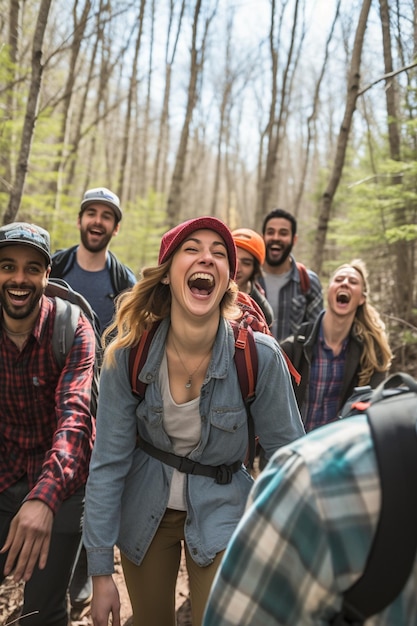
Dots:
{"x": 343, "y": 297}
{"x": 201, "y": 283}
{"x": 18, "y": 295}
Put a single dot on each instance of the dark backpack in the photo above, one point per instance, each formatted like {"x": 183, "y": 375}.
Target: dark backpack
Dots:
{"x": 246, "y": 360}
{"x": 391, "y": 409}
{"x": 304, "y": 278}
{"x": 69, "y": 304}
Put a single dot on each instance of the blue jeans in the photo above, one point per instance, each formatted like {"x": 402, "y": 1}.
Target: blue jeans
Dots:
{"x": 46, "y": 591}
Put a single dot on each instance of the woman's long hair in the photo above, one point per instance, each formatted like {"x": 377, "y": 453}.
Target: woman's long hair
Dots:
{"x": 370, "y": 329}
{"x": 148, "y": 301}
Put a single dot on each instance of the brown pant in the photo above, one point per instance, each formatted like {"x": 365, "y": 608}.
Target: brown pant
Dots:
{"x": 151, "y": 585}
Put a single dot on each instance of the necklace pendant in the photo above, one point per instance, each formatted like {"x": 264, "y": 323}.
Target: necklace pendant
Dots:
{"x": 188, "y": 385}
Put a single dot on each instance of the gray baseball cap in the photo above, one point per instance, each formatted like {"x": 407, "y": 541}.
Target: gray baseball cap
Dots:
{"x": 26, "y": 234}
{"x": 101, "y": 195}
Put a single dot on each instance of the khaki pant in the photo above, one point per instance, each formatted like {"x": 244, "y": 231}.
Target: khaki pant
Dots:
{"x": 151, "y": 585}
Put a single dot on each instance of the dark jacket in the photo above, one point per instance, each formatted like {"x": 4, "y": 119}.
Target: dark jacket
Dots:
{"x": 261, "y": 300}
{"x": 120, "y": 275}
{"x": 300, "y": 348}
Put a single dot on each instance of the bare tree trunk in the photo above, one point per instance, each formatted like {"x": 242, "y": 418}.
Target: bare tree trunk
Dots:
{"x": 162, "y": 143}
{"x": 79, "y": 30}
{"x": 31, "y": 114}
{"x": 131, "y": 95}
{"x": 6, "y": 156}
{"x": 312, "y": 117}
{"x": 197, "y": 63}
{"x": 143, "y": 162}
{"x": 102, "y": 108}
{"x": 403, "y": 284}
{"x": 223, "y": 121}
{"x": 76, "y": 139}
{"x": 342, "y": 142}
{"x": 276, "y": 118}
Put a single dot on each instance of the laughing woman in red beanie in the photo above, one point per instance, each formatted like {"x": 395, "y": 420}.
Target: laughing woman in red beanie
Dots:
{"x": 138, "y": 496}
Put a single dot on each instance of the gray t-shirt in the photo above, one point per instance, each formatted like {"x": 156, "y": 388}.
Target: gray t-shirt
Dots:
{"x": 96, "y": 288}
{"x": 273, "y": 285}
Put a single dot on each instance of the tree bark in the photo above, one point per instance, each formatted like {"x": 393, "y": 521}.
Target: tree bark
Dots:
{"x": 277, "y": 117}
{"x": 197, "y": 64}
{"x": 312, "y": 117}
{"x": 79, "y": 27}
{"x": 403, "y": 284}
{"x": 131, "y": 96}
{"x": 343, "y": 138}
{"x": 6, "y": 155}
{"x": 31, "y": 114}
{"x": 159, "y": 175}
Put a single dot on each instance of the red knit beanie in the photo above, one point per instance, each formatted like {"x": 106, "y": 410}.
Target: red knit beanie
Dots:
{"x": 174, "y": 238}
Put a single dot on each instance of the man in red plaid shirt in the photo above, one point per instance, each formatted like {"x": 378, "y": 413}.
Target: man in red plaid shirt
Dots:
{"x": 46, "y": 430}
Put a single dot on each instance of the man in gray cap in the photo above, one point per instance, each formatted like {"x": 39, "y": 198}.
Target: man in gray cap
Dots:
{"x": 46, "y": 429}
{"x": 94, "y": 271}
{"x": 90, "y": 268}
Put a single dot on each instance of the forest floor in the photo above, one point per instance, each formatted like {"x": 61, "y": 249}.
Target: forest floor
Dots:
{"x": 11, "y": 599}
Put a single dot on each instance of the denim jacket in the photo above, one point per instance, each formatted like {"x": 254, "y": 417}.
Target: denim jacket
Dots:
{"x": 127, "y": 490}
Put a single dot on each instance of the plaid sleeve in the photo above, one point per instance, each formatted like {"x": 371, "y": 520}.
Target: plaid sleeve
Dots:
{"x": 65, "y": 467}
{"x": 272, "y": 570}
{"x": 315, "y": 298}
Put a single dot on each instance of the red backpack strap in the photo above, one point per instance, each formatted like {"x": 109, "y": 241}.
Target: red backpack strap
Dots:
{"x": 304, "y": 278}
{"x": 137, "y": 357}
{"x": 294, "y": 373}
{"x": 246, "y": 360}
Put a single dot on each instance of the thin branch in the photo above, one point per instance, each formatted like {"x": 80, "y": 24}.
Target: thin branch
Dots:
{"x": 386, "y": 76}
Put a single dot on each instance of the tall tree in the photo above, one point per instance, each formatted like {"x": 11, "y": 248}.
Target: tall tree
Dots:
{"x": 280, "y": 95}
{"x": 79, "y": 26}
{"x": 343, "y": 138}
{"x": 130, "y": 99}
{"x": 159, "y": 177}
{"x": 6, "y": 155}
{"x": 196, "y": 68}
{"x": 31, "y": 114}
{"x": 311, "y": 120}
{"x": 404, "y": 251}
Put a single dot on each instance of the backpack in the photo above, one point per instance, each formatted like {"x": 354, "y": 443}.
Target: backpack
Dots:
{"x": 246, "y": 360}
{"x": 304, "y": 277}
{"x": 392, "y": 413}
{"x": 63, "y": 260}
{"x": 69, "y": 304}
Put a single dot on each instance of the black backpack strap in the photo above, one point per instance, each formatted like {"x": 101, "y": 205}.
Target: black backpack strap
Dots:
{"x": 393, "y": 551}
{"x": 62, "y": 262}
{"x": 119, "y": 274}
{"x": 65, "y": 324}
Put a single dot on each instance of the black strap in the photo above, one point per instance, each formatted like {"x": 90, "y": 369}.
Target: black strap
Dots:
{"x": 119, "y": 274}
{"x": 393, "y": 551}
{"x": 222, "y": 474}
